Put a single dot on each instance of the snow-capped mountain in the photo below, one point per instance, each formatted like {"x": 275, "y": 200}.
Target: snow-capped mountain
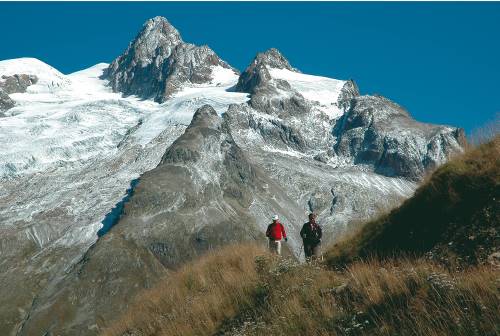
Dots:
{"x": 157, "y": 64}
{"x": 203, "y": 156}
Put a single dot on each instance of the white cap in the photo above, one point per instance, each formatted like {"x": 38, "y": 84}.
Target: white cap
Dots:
{"x": 275, "y": 217}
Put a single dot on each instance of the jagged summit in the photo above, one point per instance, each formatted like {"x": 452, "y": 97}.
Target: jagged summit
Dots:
{"x": 158, "y": 63}
{"x": 155, "y": 33}
{"x": 161, "y": 24}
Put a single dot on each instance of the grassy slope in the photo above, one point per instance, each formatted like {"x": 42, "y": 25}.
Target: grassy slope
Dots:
{"x": 244, "y": 291}
{"x": 241, "y": 290}
{"x": 454, "y": 215}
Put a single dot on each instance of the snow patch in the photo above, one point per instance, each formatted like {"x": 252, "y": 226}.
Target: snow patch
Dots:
{"x": 323, "y": 90}
{"x": 223, "y": 76}
{"x": 289, "y": 152}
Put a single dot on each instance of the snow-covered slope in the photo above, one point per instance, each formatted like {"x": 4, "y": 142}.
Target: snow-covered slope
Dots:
{"x": 67, "y": 119}
{"x": 82, "y": 121}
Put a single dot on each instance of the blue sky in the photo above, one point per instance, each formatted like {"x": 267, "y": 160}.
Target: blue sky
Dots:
{"x": 439, "y": 60}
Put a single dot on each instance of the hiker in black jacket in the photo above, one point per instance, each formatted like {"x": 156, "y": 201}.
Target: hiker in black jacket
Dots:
{"x": 311, "y": 236}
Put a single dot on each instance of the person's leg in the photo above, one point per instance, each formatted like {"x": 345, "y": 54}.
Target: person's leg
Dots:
{"x": 316, "y": 251}
{"x": 271, "y": 246}
{"x": 307, "y": 252}
{"x": 278, "y": 247}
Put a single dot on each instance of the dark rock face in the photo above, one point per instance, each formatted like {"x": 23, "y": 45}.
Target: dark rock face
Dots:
{"x": 348, "y": 92}
{"x": 276, "y": 132}
{"x": 13, "y": 84}
{"x": 207, "y": 183}
{"x": 17, "y": 83}
{"x": 158, "y": 63}
{"x": 378, "y": 132}
{"x": 5, "y": 102}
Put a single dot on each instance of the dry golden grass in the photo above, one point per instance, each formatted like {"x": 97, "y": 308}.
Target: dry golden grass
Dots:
{"x": 195, "y": 299}
{"x": 245, "y": 291}
{"x": 485, "y": 133}
{"x": 415, "y": 297}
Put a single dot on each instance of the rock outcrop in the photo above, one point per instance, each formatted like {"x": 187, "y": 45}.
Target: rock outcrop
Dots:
{"x": 256, "y": 76}
{"x": 379, "y": 132}
{"x": 17, "y": 83}
{"x": 5, "y": 102}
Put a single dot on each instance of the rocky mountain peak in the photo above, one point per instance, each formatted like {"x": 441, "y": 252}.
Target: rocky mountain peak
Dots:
{"x": 161, "y": 25}
{"x": 157, "y": 33}
{"x": 158, "y": 63}
{"x": 192, "y": 146}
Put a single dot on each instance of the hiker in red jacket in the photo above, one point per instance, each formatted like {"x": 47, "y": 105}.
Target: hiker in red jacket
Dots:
{"x": 276, "y": 232}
